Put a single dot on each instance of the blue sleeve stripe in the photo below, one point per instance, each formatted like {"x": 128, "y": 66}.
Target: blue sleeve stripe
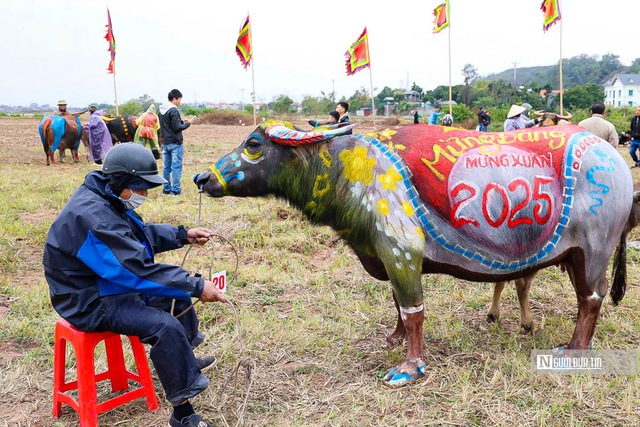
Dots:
{"x": 115, "y": 278}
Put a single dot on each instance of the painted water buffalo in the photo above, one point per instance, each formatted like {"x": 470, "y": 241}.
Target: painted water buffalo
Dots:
{"x": 428, "y": 199}
{"x": 121, "y": 128}
{"x": 60, "y": 133}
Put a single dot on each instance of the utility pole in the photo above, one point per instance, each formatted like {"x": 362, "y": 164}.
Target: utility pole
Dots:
{"x": 242, "y": 101}
{"x": 333, "y": 91}
{"x": 515, "y": 67}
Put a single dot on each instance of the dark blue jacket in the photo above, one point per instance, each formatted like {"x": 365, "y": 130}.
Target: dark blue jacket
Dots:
{"x": 97, "y": 248}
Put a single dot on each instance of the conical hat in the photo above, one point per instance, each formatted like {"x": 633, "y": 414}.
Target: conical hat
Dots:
{"x": 515, "y": 110}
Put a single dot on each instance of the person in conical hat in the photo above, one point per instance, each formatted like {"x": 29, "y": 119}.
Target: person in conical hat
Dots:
{"x": 516, "y": 121}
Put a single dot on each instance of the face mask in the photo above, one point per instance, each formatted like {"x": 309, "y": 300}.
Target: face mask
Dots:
{"x": 135, "y": 201}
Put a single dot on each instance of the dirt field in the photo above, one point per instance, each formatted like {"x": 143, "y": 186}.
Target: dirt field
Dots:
{"x": 310, "y": 322}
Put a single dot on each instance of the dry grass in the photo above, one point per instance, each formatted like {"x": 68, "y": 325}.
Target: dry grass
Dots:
{"x": 310, "y": 318}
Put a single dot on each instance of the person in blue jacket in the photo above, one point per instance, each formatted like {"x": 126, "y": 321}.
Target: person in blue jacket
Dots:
{"x": 99, "y": 263}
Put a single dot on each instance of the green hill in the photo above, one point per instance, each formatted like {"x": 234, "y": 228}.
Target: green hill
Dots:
{"x": 577, "y": 71}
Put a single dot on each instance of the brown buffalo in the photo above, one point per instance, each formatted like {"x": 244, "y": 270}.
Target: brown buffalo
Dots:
{"x": 60, "y": 133}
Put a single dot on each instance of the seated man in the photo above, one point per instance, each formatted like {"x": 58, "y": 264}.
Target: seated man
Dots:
{"x": 99, "y": 263}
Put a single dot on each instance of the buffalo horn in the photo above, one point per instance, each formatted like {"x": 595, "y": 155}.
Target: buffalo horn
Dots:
{"x": 283, "y": 135}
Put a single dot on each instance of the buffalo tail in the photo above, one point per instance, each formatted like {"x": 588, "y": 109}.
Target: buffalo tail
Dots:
{"x": 619, "y": 278}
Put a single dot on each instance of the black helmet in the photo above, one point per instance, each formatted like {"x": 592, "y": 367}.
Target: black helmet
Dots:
{"x": 132, "y": 159}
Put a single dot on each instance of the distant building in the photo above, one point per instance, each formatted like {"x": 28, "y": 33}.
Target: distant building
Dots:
{"x": 622, "y": 90}
{"x": 413, "y": 96}
{"x": 389, "y": 106}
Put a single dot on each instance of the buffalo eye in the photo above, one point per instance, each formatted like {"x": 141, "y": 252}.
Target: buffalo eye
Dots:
{"x": 253, "y": 149}
{"x": 253, "y": 144}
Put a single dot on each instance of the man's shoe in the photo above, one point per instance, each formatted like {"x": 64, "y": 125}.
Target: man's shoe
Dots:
{"x": 206, "y": 363}
{"x": 176, "y": 193}
{"x": 166, "y": 192}
{"x": 194, "y": 420}
{"x": 199, "y": 339}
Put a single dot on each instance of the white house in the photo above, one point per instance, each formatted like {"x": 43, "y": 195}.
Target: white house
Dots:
{"x": 622, "y": 90}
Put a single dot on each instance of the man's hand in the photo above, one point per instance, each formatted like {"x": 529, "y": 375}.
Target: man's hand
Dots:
{"x": 211, "y": 294}
{"x": 199, "y": 235}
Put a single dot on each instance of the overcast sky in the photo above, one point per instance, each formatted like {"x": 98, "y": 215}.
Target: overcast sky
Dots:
{"x": 53, "y": 49}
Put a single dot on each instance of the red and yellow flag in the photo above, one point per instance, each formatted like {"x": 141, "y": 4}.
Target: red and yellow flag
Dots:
{"x": 358, "y": 54}
{"x": 441, "y": 17}
{"x": 243, "y": 45}
{"x": 551, "y": 11}
{"x": 112, "y": 44}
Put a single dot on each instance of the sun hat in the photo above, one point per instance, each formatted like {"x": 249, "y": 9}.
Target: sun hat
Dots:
{"x": 515, "y": 110}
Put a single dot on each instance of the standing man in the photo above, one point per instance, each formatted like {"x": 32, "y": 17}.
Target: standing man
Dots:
{"x": 99, "y": 263}
{"x": 484, "y": 120}
{"x": 100, "y": 140}
{"x": 447, "y": 120}
{"x": 416, "y": 117}
{"x": 147, "y": 131}
{"x": 62, "y": 110}
{"x": 171, "y": 126}
{"x": 434, "y": 117}
{"x": 634, "y": 145}
{"x": 597, "y": 125}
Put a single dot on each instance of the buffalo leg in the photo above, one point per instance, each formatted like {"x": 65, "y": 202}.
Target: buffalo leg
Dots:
{"x": 589, "y": 303}
{"x": 494, "y": 311}
{"x": 404, "y": 273}
{"x": 413, "y": 365}
{"x": 400, "y": 333}
{"x": 46, "y": 154}
{"x": 523, "y": 286}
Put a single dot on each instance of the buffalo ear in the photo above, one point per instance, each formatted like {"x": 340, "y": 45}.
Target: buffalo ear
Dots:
{"x": 283, "y": 135}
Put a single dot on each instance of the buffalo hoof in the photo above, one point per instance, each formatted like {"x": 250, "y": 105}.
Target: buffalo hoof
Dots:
{"x": 568, "y": 346}
{"x": 527, "y": 329}
{"x": 403, "y": 374}
{"x": 491, "y": 318}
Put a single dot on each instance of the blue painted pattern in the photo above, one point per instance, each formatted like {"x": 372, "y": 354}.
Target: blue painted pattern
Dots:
{"x": 592, "y": 179}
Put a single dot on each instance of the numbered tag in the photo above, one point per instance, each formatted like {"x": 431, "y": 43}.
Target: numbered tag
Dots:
{"x": 219, "y": 280}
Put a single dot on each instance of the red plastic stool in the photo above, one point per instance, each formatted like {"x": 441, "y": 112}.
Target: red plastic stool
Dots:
{"x": 84, "y": 344}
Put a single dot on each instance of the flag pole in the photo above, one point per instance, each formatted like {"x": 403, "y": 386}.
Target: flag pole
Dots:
{"x": 253, "y": 78}
{"x": 450, "y": 97}
{"x": 373, "y": 104}
{"x": 449, "y": 37}
{"x": 561, "y": 85}
{"x": 115, "y": 90}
